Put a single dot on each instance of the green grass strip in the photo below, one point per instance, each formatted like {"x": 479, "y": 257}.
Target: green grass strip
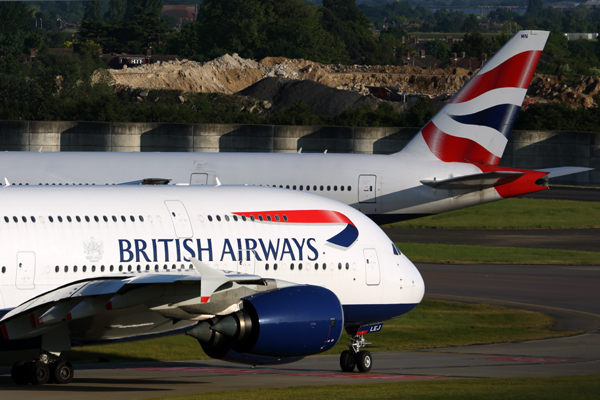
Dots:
{"x": 434, "y": 323}
{"x": 559, "y": 388}
{"x": 464, "y": 254}
{"x": 515, "y": 214}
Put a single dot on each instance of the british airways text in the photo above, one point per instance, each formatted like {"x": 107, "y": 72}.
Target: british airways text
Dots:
{"x": 140, "y": 250}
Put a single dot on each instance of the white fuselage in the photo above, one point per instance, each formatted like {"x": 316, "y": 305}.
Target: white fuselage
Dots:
{"x": 54, "y": 236}
{"x": 387, "y": 188}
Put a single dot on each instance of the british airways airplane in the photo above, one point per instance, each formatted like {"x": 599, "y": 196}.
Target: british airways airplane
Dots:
{"x": 451, "y": 163}
{"x": 256, "y": 275}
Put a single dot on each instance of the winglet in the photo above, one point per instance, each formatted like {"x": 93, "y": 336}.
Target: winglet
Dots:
{"x": 211, "y": 279}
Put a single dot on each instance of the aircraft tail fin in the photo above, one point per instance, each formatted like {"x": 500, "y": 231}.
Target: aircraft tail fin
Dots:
{"x": 475, "y": 124}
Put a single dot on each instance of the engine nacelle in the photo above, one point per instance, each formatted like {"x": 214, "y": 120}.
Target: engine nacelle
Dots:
{"x": 294, "y": 321}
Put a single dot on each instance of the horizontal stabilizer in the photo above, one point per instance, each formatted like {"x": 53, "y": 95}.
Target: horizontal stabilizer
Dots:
{"x": 562, "y": 171}
{"x": 148, "y": 181}
{"x": 478, "y": 181}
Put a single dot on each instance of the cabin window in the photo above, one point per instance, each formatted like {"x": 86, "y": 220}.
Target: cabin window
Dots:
{"x": 123, "y": 218}
{"x": 83, "y": 269}
{"x": 112, "y": 268}
{"x": 266, "y": 267}
{"x": 219, "y": 218}
{"x": 59, "y": 218}
{"x": 69, "y": 218}
{"x": 120, "y": 268}
{"x": 308, "y": 188}
{"x": 210, "y": 218}
{"x": 139, "y": 268}
{"x": 347, "y": 266}
{"x": 277, "y": 217}
{"x": 291, "y": 266}
{"x": 93, "y": 268}
{"x": 294, "y": 187}
{"x": 243, "y": 218}
{"x": 132, "y": 218}
{"x": 260, "y": 217}
{"x": 32, "y": 218}
{"x": 301, "y": 187}
{"x": 57, "y": 268}
{"x": 6, "y": 219}
{"x": 268, "y": 217}
{"x": 252, "y": 218}
{"x": 24, "y": 218}
{"x": 75, "y": 268}
{"x": 300, "y": 267}
{"x": 66, "y": 268}
{"x": 339, "y": 265}
{"x": 50, "y": 218}
{"x": 114, "y": 218}
{"x": 275, "y": 267}
{"x": 156, "y": 267}
{"x": 173, "y": 266}
{"x": 102, "y": 268}
{"x": 285, "y": 218}
{"x": 129, "y": 268}
{"x": 15, "y": 219}
{"x": 342, "y": 188}
{"x": 349, "y": 188}
{"x": 3, "y": 270}
{"x": 324, "y": 266}
{"x": 105, "y": 218}
{"x": 321, "y": 188}
{"x": 328, "y": 188}
{"x": 235, "y": 218}
{"x": 335, "y": 188}
{"x": 77, "y": 218}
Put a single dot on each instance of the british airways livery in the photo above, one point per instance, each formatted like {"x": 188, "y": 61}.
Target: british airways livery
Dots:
{"x": 451, "y": 163}
{"x": 256, "y": 275}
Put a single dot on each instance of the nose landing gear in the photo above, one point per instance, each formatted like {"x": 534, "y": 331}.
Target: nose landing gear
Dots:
{"x": 356, "y": 358}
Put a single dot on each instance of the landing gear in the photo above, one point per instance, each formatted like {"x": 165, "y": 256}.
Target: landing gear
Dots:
{"x": 42, "y": 371}
{"x": 356, "y": 358}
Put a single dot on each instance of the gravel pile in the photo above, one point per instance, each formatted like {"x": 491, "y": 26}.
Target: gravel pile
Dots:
{"x": 322, "y": 100}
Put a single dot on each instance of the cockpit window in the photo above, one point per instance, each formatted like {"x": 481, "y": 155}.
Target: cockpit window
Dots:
{"x": 396, "y": 250}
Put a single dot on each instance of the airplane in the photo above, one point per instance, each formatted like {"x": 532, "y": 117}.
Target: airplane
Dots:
{"x": 257, "y": 275}
{"x": 450, "y": 164}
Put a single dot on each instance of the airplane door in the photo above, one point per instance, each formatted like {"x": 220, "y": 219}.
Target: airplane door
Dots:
{"x": 25, "y": 270}
{"x": 246, "y": 265}
{"x": 371, "y": 267}
{"x": 180, "y": 219}
{"x": 367, "y": 188}
{"x": 199, "y": 179}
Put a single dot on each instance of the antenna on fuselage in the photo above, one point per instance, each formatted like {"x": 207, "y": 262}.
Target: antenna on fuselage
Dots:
{"x": 218, "y": 182}
{"x": 6, "y": 183}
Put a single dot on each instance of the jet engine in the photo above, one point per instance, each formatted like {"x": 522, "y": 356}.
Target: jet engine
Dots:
{"x": 293, "y": 321}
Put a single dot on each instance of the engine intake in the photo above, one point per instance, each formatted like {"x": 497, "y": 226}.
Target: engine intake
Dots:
{"x": 294, "y": 321}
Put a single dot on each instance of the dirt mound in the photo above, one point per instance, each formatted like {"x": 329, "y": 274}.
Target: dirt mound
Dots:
{"x": 322, "y": 100}
{"x": 230, "y": 74}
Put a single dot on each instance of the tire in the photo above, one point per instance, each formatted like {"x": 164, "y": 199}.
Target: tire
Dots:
{"x": 347, "y": 361}
{"x": 364, "y": 361}
{"x": 39, "y": 373}
{"x": 62, "y": 372}
{"x": 18, "y": 373}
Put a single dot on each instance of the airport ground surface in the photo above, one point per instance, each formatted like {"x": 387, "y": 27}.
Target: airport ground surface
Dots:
{"x": 570, "y": 294}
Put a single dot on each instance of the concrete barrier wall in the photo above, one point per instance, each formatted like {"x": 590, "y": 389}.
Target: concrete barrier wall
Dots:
{"x": 526, "y": 149}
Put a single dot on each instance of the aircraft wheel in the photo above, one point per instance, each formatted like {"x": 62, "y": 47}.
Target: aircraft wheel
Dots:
{"x": 39, "y": 373}
{"x": 347, "y": 361}
{"x": 364, "y": 361}
{"x": 18, "y": 373}
{"x": 62, "y": 372}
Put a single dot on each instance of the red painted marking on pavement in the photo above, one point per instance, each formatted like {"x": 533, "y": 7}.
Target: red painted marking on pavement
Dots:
{"x": 201, "y": 369}
{"x": 521, "y": 359}
{"x": 362, "y": 376}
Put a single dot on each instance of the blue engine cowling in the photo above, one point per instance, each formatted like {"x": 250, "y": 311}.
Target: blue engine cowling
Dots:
{"x": 295, "y": 321}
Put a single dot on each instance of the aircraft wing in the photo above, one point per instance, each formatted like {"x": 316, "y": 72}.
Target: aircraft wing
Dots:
{"x": 118, "y": 307}
{"x": 475, "y": 181}
{"x": 148, "y": 181}
{"x": 562, "y": 171}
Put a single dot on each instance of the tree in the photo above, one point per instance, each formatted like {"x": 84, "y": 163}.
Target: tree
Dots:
{"x": 14, "y": 16}
{"x": 154, "y": 6}
{"x": 535, "y": 7}
{"x": 93, "y": 11}
{"x": 471, "y": 24}
{"x": 437, "y": 48}
{"x": 116, "y": 11}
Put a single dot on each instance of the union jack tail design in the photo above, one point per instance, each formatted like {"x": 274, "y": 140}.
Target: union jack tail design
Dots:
{"x": 475, "y": 124}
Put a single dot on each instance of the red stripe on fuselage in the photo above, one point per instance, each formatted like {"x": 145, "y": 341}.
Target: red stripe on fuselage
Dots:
{"x": 301, "y": 216}
{"x": 4, "y": 332}
{"x": 516, "y": 72}
{"x": 450, "y": 148}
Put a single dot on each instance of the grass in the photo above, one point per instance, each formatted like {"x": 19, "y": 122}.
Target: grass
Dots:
{"x": 464, "y": 254}
{"x": 559, "y": 388}
{"x": 515, "y": 214}
{"x": 434, "y": 323}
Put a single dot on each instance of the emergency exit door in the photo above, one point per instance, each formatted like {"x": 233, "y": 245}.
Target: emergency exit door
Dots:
{"x": 25, "y": 270}
{"x": 371, "y": 267}
{"x": 367, "y": 189}
{"x": 180, "y": 219}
